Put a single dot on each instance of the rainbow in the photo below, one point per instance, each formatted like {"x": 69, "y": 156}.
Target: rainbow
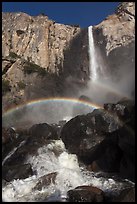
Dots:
{"x": 42, "y": 101}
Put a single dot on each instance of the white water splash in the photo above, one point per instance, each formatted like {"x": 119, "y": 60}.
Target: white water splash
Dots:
{"x": 54, "y": 158}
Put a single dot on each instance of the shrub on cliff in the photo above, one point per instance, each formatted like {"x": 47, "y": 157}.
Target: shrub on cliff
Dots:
{"x": 5, "y": 86}
{"x": 30, "y": 68}
{"x": 21, "y": 85}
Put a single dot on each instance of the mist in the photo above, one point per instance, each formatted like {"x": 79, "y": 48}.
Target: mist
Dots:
{"x": 104, "y": 87}
{"x": 49, "y": 111}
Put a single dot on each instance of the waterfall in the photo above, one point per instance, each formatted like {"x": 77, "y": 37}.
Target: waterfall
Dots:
{"x": 101, "y": 86}
{"x": 92, "y": 56}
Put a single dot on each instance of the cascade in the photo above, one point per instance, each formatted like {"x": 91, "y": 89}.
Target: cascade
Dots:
{"x": 92, "y": 56}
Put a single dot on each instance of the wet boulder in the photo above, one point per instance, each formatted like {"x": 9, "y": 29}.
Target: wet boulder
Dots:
{"x": 127, "y": 145}
{"x": 37, "y": 136}
{"x": 39, "y": 133}
{"x": 79, "y": 134}
{"x": 45, "y": 180}
{"x": 8, "y": 135}
{"x": 116, "y": 153}
{"x": 16, "y": 172}
{"x": 106, "y": 156}
{"x": 10, "y": 139}
{"x": 82, "y": 134}
{"x": 124, "y": 110}
{"x": 125, "y": 195}
{"x": 104, "y": 139}
{"x": 85, "y": 194}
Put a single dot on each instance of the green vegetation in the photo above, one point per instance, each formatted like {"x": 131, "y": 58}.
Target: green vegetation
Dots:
{"x": 6, "y": 69}
{"x": 21, "y": 85}
{"x": 30, "y": 67}
{"x": 5, "y": 86}
{"x": 13, "y": 55}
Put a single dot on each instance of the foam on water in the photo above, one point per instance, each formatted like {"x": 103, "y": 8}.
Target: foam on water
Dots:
{"x": 54, "y": 158}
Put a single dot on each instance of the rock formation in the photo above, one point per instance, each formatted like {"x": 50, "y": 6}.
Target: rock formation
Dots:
{"x": 42, "y": 58}
{"x": 104, "y": 139}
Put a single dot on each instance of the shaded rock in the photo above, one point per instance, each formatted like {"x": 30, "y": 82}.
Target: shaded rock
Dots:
{"x": 14, "y": 139}
{"x": 45, "y": 181}
{"x": 126, "y": 143}
{"x": 22, "y": 152}
{"x": 8, "y": 135}
{"x": 37, "y": 136}
{"x": 124, "y": 110}
{"x": 106, "y": 156}
{"x": 93, "y": 167}
{"x": 81, "y": 133}
{"x": 116, "y": 153}
{"x": 127, "y": 167}
{"x": 41, "y": 133}
{"x": 84, "y": 133}
{"x": 126, "y": 195}
{"x": 85, "y": 194}
{"x": 16, "y": 172}
{"x": 104, "y": 139}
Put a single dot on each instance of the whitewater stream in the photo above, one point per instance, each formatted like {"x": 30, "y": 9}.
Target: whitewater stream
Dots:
{"x": 55, "y": 158}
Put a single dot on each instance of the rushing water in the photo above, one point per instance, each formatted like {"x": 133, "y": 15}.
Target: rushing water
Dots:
{"x": 92, "y": 56}
{"x": 54, "y": 158}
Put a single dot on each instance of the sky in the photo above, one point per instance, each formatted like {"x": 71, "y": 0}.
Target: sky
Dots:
{"x": 80, "y": 13}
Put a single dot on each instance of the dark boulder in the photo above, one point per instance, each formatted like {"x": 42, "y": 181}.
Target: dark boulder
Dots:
{"x": 16, "y": 172}
{"x": 39, "y": 133}
{"x": 82, "y": 134}
{"x": 124, "y": 110}
{"x": 8, "y": 135}
{"x": 79, "y": 134}
{"x": 15, "y": 139}
{"x": 126, "y": 195}
{"x": 104, "y": 139}
{"x": 85, "y": 194}
{"x": 116, "y": 153}
{"x": 37, "y": 136}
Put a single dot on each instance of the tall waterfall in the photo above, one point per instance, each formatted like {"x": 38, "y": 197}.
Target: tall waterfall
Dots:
{"x": 102, "y": 87}
{"x": 92, "y": 55}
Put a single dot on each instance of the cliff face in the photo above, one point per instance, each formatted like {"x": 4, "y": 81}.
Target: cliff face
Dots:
{"x": 36, "y": 39}
{"x": 115, "y": 42}
{"x": 119, "y": 28}
{"x": 42, "y": 58}
{"x": 35, "y": 54}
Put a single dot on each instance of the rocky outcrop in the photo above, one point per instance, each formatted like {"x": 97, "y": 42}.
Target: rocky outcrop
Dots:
{"x": 36, "y": 39}
{"x": 16, "y": 172}
{"x": 42, "y": 58}
{"x": 15, "y": 152}
{"x": 94, "y": 194}
{"x": 35, "y": 53}
{"x": 104, "y": 140}
{"x": 119, "y": 28}
{"x": 85, "y": 194}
